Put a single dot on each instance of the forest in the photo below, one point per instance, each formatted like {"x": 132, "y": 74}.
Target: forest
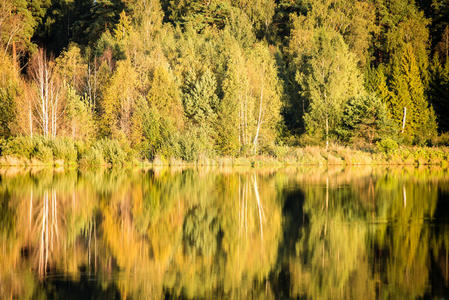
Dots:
{"x": 112, "y": 80}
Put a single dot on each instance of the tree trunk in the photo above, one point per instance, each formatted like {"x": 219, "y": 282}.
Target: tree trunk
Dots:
{"x": 30, "y": 120}
{"x": 403, "y": 119}
{"x": 14, "y": 55}
{"x": 327, "y": 132}
{"x": 259, "y": 121}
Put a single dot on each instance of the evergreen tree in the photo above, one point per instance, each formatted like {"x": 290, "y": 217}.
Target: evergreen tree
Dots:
{"x": 198, "y": 14}
{"x": 439, "y": 92}
{"x": 200, "y": 100}
{"x": 409, "y": 107}
{"x": 365, "y": 121}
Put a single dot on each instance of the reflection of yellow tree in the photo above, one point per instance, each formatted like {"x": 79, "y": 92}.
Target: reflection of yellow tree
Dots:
{"x": 202, "y": 233}
{"x": 339, "y": 243}
{"x": 406, "y": 206}
{"x": 252, "y": 230}
{"x": 191, "y": 233}
{"x": 331, "y": 256}
{"x": 44, "y": 211}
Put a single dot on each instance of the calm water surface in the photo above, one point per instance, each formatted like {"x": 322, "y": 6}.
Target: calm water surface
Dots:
{"x": 357, "y": 233}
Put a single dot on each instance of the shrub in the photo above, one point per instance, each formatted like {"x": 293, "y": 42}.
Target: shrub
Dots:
{"x": 106, "y": 151}
{"x": 42, "y": 150}
{"x": 92, "y": 157}
{"x": 20, "y": 146}
{"x": 387, "y": 145}
{"x": 277, "y": 151}
{"x": 64, "y": 148}
{"x": 195, "y": 144}
{"x": 113, "y": 153}
{"x": 2, "y": 145}
{"x": 442, "y": 139}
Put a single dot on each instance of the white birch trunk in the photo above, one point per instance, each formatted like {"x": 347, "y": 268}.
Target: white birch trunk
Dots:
{"x": 259, "y": 121}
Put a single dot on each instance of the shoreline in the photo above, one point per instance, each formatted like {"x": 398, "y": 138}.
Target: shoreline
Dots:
{"x": 293, "y": 156}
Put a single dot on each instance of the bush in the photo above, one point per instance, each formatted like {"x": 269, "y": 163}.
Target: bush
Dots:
{"x": 106, "y": 151}
{"x": 20, "y": 146}
{"x": 42, "y": 150}
{"x": 442, "y": 139}
{"x": 113, "y": 152}
{"x": 277, "y": 151}
{"x": 92, "y": 157}
{"x": 387, "y": 145}
{"x": 2, "y": 145}
{"x": 64, "y": 148}
{"x": 195, "y": 144}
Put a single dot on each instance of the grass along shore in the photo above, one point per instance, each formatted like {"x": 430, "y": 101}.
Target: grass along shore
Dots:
{"x": 23, "y": 151}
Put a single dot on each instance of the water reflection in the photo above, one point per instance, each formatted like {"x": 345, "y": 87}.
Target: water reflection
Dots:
{"x": 224, "y": 233}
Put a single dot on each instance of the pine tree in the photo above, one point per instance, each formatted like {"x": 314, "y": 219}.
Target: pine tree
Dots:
{"x": 408, "y": 107}
{"x": 200, "y": 99}
{"x": 439, "y": 92}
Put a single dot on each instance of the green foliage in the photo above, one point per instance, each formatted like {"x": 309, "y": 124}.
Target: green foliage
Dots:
{"x": 10, "y": 92}
{"x": 365, "y": 121}
{"x": 42, "y": 151}
{"x": 387, "y": 145}
{"x": 199, "y": 14}
{"x": 328, "y": 76}
{"x": 21, "y": 146}
{"x": 200, "y": 99}
{"x": 65, "y": 149}
{"x": 192, "y": 79}
{"x": 80, "y": 21}
{"x": 7, "y": 111}
{"x": 92, "y": 158}
{"x": 79, "y": 116}
{"x": 112, "y": 152}
{"x": 194, "y": 145}
{"x": 439, "y": 92}
{"x": 401, "y": 24}
{"x": 408, "y": 88}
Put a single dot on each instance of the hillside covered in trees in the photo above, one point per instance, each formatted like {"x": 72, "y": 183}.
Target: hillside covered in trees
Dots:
{"x": 205, "y": 78}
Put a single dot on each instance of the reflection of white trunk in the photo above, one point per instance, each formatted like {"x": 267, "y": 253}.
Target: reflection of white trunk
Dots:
{"x": 327, "y": 204}
{"x": 31, "y": 209}
{"x": 48, "y": 230}
{"x": 42, "y": 258}
{"x": 259, "y": 206}
{"x": 404, "y": 196}
{"x": 259, "y": 120}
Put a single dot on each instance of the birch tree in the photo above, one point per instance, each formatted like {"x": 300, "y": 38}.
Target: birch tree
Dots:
{"x": 265, "y": 92}
{"x": 48, "y": 100}
{"x": 328, "y": 77}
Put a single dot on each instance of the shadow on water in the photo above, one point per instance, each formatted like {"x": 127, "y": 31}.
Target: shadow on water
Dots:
{"x": 86, "y": 287}
{"x": 293, "y": 219}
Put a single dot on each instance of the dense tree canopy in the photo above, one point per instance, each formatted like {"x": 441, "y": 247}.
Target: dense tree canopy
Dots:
{"x": 186, "y": 79}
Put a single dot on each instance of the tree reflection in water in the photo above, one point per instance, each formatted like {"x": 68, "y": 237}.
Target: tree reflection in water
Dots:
{"x": 228, "y": 233}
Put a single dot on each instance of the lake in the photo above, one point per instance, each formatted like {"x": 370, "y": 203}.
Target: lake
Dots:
{"x": 307, "y": 232}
